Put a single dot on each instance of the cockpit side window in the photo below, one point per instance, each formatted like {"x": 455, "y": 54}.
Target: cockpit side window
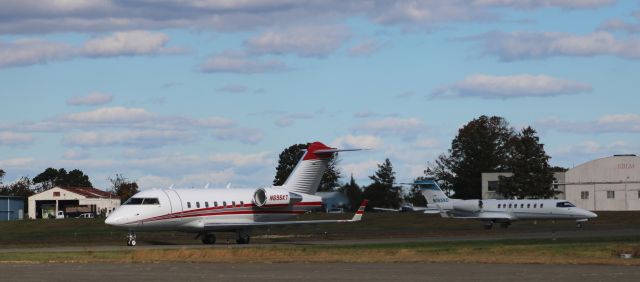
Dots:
{"x": 564, "y": 205}
{"x": 151, "y": 201}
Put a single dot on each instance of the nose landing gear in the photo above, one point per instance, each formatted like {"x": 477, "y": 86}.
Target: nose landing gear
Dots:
{"x": 208, "y": 239}
{"x": 131, "y": 239}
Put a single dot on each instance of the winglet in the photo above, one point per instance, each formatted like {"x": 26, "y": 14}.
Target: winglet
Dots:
{"x": 360, "y": 211}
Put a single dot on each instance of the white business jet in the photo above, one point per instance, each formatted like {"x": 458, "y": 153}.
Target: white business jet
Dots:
{"x": 205, "y": 211}
{"x": 499, "y": 211}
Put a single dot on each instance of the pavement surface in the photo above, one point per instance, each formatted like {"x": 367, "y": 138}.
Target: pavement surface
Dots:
{"x": 316, "y": 272}
{"x": 557, "y": 235}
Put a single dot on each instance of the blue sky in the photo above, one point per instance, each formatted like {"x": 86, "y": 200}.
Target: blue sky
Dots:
{"x": 195, "y": 92}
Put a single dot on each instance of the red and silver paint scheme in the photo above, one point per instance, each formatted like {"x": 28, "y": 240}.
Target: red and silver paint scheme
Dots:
{"x": 232, "y": 210}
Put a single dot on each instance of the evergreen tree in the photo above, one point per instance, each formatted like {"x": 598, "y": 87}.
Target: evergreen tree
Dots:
{"x": 532, "y": 176}
{"x": 2, "y": 173}
{"x": 415, "y": 197}
{"x": 353, "y": 192}
{"x": 288, "y": 160}
{"x": 382, "y": 193}
{"x": 480, "y": 146}
{"x": 52, "y": 177}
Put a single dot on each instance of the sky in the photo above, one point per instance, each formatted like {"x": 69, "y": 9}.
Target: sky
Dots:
{"x": 190, "y": 92}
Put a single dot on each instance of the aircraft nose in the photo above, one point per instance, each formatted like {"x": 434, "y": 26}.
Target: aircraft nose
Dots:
{"x": 114, "y": 219}
{"x": 591, "y": 214}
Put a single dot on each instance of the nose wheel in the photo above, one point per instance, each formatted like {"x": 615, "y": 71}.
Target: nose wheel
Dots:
{"x": 131, "y": 239}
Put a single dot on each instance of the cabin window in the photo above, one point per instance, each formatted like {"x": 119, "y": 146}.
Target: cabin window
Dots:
{"x": 521, "y": 205}
{"x": 242, "y": 203}
{"x": 498, "y": 205}
{"x": 611, "y": 194}
{"x": 541, "y": 205}
{"x": 584, "y": 195}
{"x": 224, "y": 204}
{"x": 528, "y": 205}
{"x": 233, "y": 203}
{"x": 197, "y": 204}
{"x": 188, "y": 204}
{"x": 206, "y": 204}
{"x": 535, "y": 206}
{"x": 215, "y": 204}
{"x": 509, "y": 205}
{"x": 638, "y": 194}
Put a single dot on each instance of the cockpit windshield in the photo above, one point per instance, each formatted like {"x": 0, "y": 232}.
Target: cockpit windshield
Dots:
{"x": 142, "y": 201}
{"x": 564, "y": 205}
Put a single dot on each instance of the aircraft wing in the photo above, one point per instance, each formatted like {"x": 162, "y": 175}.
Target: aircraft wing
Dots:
{"x": 239, "y": 225}
{"x": 431, "y": 211}
{"x": 385, "y": 209}
{"x": 489, "y": 215}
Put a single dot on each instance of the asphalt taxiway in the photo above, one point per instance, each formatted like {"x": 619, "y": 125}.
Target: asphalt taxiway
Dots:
{"x": 316, "y": 272}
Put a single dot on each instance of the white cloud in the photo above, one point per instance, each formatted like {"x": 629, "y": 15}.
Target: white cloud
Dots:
{"x": 618, "y": 123}
{"x": 359, "y": 169}
{"x": 408, "y": 127}
{"x": 536, "y": 45}
{"x": 426, "y": 143}
{"x": 8, "y": 138}
{"x": 239, "y": 63}
{"x": 305, "y": 41}
{"x": 531, "y": 4}
{"x": 238, "y": 159}
{"x": 358, "y": 141}
{"x": 233, "y": 88}
{"x": 111, "y": 115}
{"x": 129, "y": 43}
{"x": 365, "y": 48}
{"x": 92, "y": 99}
{"x": 244, "y": 135}
{"x": 620, "y": 25}
{"x": 75, "y": 154}
{"x": 23, "y": 52}
{"x": 17, "y": 163}
{"x": 514, "y": 86}
{"x": 143, "y": 138}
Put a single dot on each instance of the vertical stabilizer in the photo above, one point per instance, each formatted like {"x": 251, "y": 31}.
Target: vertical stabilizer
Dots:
{"x": 307, "y": 174}
{"x": 432, "y": 192}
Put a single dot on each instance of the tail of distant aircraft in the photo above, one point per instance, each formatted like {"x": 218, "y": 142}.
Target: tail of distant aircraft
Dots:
{"x": 432, "y": 192}
{"x": 307, "y": 174}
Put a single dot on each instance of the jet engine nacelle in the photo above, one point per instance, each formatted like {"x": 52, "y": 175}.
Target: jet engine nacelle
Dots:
{"x": 266, "y": 197}
{"x": 468, "y": 205}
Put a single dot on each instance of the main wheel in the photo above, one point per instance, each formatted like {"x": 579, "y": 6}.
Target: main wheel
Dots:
{"x": 209, "y": 239}
{"x": 243, "y": 240}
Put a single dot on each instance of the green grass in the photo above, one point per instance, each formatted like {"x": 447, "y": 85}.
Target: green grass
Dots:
{"x": 514, "y": 251}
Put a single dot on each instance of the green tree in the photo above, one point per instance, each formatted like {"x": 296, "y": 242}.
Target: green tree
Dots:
{"x": 382, "y": 193}
{"x": 532, "y": 176}
{"x": 2, "y": 173}
{"x": 288, "y": 160}
{"x": 353, "y": 192}
{"x": 122, "y": 187}
{"x": 480, "y": 146}
{"x": 52, "y": 177}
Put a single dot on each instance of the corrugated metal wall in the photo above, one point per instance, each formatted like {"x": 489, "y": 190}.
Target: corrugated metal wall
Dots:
{"x": 11, "y": 208}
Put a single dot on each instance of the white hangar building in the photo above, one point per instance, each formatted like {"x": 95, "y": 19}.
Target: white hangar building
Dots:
{"x": 606, "y": 184}
{"x": 72, "y": 201}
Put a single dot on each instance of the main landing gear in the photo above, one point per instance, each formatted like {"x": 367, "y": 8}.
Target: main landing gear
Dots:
{"x": 488, "y": 225}
{"x": 208, "y": 239}
{"x": 243, "y": 237}
{"x": 131, "y": 239}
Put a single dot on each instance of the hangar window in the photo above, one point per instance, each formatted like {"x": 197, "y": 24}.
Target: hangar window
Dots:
{"x": 56, "y": 194}
{"x": 197, "y": 204}
{"x": 492, "y": 186}
{"x": 611, "y": 194}
{"x": 584, "y": 195}
{"x": 206, "y": 204}
{"x": 188, "y": 204}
